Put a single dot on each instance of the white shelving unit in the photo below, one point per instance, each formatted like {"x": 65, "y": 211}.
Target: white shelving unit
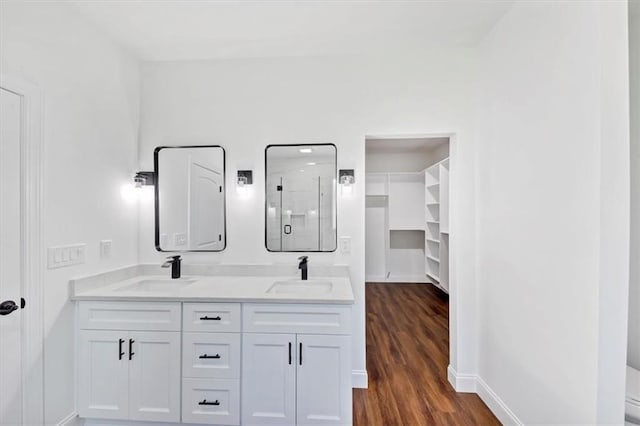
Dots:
{"x": 436, "y": 211}
{"x": 395, "y": 227}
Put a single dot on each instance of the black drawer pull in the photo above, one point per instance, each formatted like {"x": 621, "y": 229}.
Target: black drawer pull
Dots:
{"x": 206, "y": 318}
{"x": 205, "y": 356}
{"x": 131, "y": 352}
{"x": 205, "y": 402}
{"x": 120, "y": 351}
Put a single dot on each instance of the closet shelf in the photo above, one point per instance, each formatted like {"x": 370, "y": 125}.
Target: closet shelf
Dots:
{"x": 435, "y": 259}
{"x": 433, "y": 221}
{"x": 433, "y": 203}
{"x": 432, "y": 185}
{"x": 433, "y": 240}
{"x": 407, "y": 229}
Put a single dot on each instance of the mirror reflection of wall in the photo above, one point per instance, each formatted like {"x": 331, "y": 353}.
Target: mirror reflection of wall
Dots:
{"x": 301, "y": 197}
{"x": 190, "y": 204}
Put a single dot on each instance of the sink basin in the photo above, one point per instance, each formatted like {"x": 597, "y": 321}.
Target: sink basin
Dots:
{"x": 158, "y": 285}
{"x": 310, "y": 287}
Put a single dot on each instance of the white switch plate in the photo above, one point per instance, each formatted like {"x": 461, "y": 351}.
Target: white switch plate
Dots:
{"x": 105, "y": 249}
{"x": 345, "y": 244}
{"x": 61, "y": 256}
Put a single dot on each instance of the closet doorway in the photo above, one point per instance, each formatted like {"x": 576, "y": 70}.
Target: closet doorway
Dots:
{"x": 407, "y": 210}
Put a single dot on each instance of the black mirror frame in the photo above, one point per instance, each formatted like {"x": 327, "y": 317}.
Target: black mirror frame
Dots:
{"x": 335, "y": 173}
{"x": 156, "y": 169}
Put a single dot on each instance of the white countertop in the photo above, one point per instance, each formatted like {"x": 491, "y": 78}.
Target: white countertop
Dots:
{"x": 206, "y": 288}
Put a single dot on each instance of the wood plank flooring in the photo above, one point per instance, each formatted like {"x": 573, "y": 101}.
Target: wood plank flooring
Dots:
{"x": 407, "y": 359}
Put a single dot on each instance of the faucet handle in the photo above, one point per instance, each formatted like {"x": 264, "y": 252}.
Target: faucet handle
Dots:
{"x": 174, "y": 258}
{"x": 303, "y": 258}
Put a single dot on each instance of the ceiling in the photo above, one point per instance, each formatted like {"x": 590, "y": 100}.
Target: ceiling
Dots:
{"x": 404, "y": 145}
{"x": 161, "y": 30}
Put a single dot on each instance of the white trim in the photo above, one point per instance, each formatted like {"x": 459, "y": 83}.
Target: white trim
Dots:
{"x": 32, "y": 254}
{"x": 359, "y": 379}
{"x": 71, "y": 420}
{"x": 472, "y": 383}
{"x": 496, "y": 404}
{"x": 463, "y": 383}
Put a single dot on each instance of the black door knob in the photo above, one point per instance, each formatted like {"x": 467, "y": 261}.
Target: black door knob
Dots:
{"x": 7, "y": 307}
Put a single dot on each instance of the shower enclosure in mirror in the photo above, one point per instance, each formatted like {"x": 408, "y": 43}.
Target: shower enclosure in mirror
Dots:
{"x": 190, "y": 198}
{"x": 300, "y": 198}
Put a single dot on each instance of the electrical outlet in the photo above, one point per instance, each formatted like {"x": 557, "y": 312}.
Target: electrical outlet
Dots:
{"x": 345, "y": 244}
{"x": 105, "y": 249}
{"x": 62, "y": 256}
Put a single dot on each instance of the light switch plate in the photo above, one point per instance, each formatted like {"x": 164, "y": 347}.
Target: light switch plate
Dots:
{"x": 345, "y": 244}
{"x": 62, "y": 256}
{"x": 105, "y": 249}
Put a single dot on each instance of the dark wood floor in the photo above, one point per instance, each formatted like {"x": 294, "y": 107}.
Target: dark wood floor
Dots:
{"x": 407, "y": 358}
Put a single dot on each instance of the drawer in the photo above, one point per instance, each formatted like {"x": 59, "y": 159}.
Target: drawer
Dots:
{"x": 216, "y": 317}
{"x": 310, "y": 319}
{"x": 211, "y": 401}
{"x": 144, "y": 316}
{"x": 211, "y": 355}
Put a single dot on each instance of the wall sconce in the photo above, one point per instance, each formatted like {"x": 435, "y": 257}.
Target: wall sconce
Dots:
{"x": 245, "y": 177}
{"x": 144, "y": 178}
{"x": 346, "y": 177}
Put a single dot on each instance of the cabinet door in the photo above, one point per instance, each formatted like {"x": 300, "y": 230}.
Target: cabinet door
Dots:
{"x": 103, "y": 372}
{"x": 268, "y": 379}
{"x": 324, "y": 380}
{"x": 154, "y": 375}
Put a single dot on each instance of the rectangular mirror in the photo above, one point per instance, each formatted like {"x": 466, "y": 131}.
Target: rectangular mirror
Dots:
{"x": 301, "y": 198}
{"x": 190, "y": 198}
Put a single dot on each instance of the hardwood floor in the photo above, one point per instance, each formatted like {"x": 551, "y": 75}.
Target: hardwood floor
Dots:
{"x": 407, "y": 358}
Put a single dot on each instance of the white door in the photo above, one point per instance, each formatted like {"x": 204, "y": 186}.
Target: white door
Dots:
{"x": 103, "y": 374}
{"x": 10, "y": 260}
{"x": 154, "y": 375}
{"x": 324, "y": 380}
{"x": 206, "y": 208}
{"x": 268, "y": 379}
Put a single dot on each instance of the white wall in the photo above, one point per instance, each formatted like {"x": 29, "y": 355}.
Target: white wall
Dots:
{"x": 245, "y": 105}
{"x": 553, "y": 211}
{"x": 91, "y": 104}
{"x": 633, "y": 352}
{"x": 402, "y": 161}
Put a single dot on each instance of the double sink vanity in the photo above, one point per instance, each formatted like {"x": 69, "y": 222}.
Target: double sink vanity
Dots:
{"x": 222, "y": 344}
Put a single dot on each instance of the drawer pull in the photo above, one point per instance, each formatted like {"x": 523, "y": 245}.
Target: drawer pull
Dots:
{"x": 205, "y": 356}
{"x": 120, "y": 351}
{"x": 205, "y": 402}
{"x": 206, "y": 318}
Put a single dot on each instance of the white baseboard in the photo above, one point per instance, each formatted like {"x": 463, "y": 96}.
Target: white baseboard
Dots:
{"x": 70, "y": 420}
{"x": 359, "y": 379}
{"x": 471, "y": 383}
{"x": 496, "y": 404}
{"x": 463, "y": 383}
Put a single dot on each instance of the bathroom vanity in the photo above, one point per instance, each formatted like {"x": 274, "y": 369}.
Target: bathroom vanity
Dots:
{"x": 220, "y": 350}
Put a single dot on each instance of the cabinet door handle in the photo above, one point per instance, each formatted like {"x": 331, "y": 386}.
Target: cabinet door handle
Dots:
{"x": 206, "y": 318}
{"x": 205, "y": 402}
{"x": 289, "y": 353}
{"x": 205, "y": 356}
{"x": 120, "y": 351}
{"x": 131, "y": 352}
{"x": 300, "y": 353}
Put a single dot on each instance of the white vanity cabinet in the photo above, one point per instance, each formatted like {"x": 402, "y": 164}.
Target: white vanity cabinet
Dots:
{"x": 296, "y": 377}
{"x": 128, "y": 369}
{"x": 214, "y": 363}
{"x": 211, "y": 363}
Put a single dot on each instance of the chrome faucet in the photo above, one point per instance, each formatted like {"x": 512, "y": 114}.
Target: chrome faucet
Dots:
{"x": 303, "y": 266}
{"x": 174, "y": 262}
